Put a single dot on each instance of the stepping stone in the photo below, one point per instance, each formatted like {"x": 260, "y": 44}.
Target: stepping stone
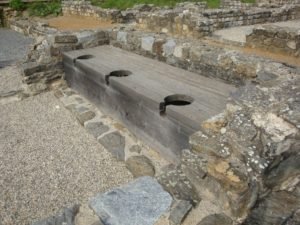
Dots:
{"x": 140, "y": 202}
{"x": 85, "y": 116}
{"x": 96, "y": 128}
{"x": 216, "y": 219}
{"x": 115, "y": 143}
{"x": 140, "y": 166}
{"x": 179, "y": 212}
{"x": 136, "y": 149}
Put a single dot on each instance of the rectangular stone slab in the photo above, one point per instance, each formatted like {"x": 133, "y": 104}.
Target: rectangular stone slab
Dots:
{"x": 135, "y": 99}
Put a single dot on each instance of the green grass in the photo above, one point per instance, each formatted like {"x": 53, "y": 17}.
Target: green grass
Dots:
{"x": 124, "y": 4}
{"x": 45, "y": 8}
{"x": 17, "y": 5}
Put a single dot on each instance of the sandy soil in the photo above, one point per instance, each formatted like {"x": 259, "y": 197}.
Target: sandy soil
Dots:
{"x": 278, "y": 57}
{"x": 75, "y": 23}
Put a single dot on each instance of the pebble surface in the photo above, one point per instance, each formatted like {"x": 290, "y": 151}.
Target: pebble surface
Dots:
{"x": 10, "y": 80}
{"x": 48, "y": 161}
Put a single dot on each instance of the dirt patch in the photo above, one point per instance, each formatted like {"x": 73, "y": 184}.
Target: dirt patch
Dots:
{"x": 258, "y": 52}
{"x": 75, "y": 23}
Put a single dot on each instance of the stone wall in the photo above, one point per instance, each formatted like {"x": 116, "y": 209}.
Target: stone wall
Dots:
{"x": 275, "y": 39}
{"x": 196, "y": 56}
{"x": 212, "y": 61}
{"x": 202, "y": 24}
{"x": 235, "y": 4}
{"x": 276, "y": 2}
{"x": 44, "y": 62}
{"x": 84, "y": 8}
{"x": 5, "y": 14}
{"x": 238, "y": 4}
{"x": 246, "y": 160}
{"x": 186, "y": 19}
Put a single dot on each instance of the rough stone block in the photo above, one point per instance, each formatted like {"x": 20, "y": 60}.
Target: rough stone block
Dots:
{"x": 96, "y": 128}
{"x": 140, "y": 166}
{"x": 31, "y": 68}
{"x": 216, "y": 219}
{"x": 169, "y": 47}
{"x": 179, "y": 212}
{"x": 142, "y": 201}
{"x": 147, "y": 43}
{"x": 67, "y": 38}
{"x": 176, "y": 183}
{"x": 122, "y": 36}
{"x": 85, "y": 116}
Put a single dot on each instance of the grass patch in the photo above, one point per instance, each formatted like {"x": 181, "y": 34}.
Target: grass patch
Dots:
{"x": 124, "y": 4}
{"x": 17, "y": 5}
{"x": 45, "y": 8}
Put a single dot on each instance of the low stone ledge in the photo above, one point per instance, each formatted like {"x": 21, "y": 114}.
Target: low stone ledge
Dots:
{"x": 284, "y": 40}
{"x": 197, "y": 56}
{"x": 44, "y": 61}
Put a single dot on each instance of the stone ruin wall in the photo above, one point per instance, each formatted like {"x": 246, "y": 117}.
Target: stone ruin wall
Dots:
{"x": 187, "y": 20}
{"x": 240, "y": 159}
{"x": 84, "y": 8}
{"x": 245, "y": 160}
{"x": 277, "y": 2}
{"x": 44, "y": 63}
{"x": 275, "y": 39}
{"x": 238, "y": 4}
{"x": 188, "y": 24}
{"x": 235, "y": 4}
{"x": 5, "y": 14}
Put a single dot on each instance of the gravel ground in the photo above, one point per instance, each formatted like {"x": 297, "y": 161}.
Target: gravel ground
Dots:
{"x": 13, "y": 46}
{"x": 48, "y": 161}
{"x": 10, "y": 80}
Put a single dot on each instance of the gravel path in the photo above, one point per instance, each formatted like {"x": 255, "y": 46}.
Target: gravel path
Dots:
{"x": 10, "y": 80}
{"x": 48, "y": 161}
{"x": 13, "y": 46}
